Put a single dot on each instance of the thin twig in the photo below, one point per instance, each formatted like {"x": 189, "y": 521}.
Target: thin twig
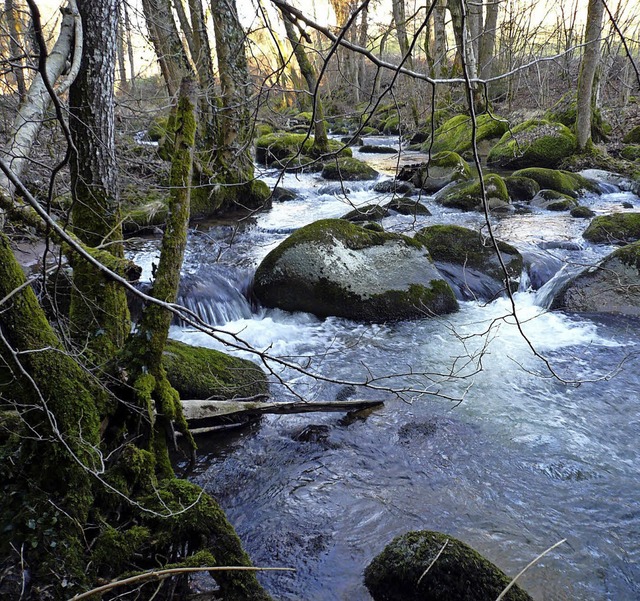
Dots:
{"x": 529, "y": 565}
{"x": 161, "y": 574}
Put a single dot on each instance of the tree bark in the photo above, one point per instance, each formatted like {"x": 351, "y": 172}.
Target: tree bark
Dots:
{"x": 588, "y": 66}
{"x": 488, "y": 40}
{"x": 14, "y": 46}
{"x": 32, "y": 111}
{"x": 173, "y": 61}
{"x": 99, "y": 313}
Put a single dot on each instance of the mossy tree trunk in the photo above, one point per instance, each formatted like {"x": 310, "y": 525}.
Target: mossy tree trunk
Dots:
{"x": 99, "y": 313}
{"x": 320, "y": 140}
{"x": 47, "y": 466}
{"x": 148, "y": 377}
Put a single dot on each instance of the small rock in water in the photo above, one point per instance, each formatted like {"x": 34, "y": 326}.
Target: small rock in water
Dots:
{"x": 627, "y": 205}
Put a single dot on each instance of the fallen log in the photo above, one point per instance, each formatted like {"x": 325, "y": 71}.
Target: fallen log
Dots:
{"x": 215, "y": 415}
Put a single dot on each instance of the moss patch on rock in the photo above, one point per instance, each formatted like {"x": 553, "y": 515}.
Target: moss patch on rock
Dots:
{"x": 278, "y": 146}
{"x": 631, "y": 152}
{"x": 455, "y": 134}
{"x": 460, "y": 573}
{"x": 554, "y": 201}
{"x": 468, "y": 196}
{"x": 521, "y": 188}
{"x": 202, "y": 373}
{"x": 534, "y": 143}
{"x": 565, "y": 182}
{"x": 565, "y": 112}
{"x": 617, "y": 228}
{"x": 348, "y": 169}
{"x": 632, "y": 136}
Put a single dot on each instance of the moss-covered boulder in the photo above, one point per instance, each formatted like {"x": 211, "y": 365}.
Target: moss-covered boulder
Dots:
{"x": 631, "y": 152}
{"x": 348, "y": 169}
{"x": 469, "y": 262}
{"x": 144, "y": 218}
{"x": 632, "y": 136}
{"x": 553, "y": 201}
{"x": 376, "y": 149}
{"x": 534, "y": 143}
{"x": 333, "y": 267}
{"x": 571, "y": 184}
{"x": 407, "y": 206}
{"x": 467, "y": 196}
{"x": 582, "y": 212}
{"x": 366, "y": 213}
{"x": 394, "y": 186}
{"x": 520, "y": 188}
{"x": 613, "y": 286}
{"x": 203, "y": 373}
{"x": 158, "y": 128}
{"x": 391, "y": 125}
{"x": 565, "y": 112}
{"x": 458, "y": 573}
{"x": 441, "y": 169}
{"x": 455, "y": 134}
{"x": 617, "y": 228}
{"x": 279, "y": 146}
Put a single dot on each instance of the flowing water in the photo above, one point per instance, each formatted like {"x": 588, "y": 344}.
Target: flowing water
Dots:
{"x": 504, "y": 448}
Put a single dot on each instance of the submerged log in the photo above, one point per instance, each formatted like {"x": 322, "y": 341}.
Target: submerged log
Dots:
{"x": 212, "y": 415}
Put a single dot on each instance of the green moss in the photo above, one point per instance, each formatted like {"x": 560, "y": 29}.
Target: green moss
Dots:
{"x": 565, "y": 111}
{"x": 632, "y": 136}
{"x": 554, "y": 201}
{"x": 468, "y": 196}
{"x": 262, "y": 129}
{"x": 462, "y": 246}
{"x": 348, "y": 169}
{"x": 455, "y": 134}
{"x": 614, "y": 229}
{"x": 441, "y": 169}
{"x": 115, "y": 550}
{"x": 366, "y": 213}
{"x": 391, "y": 125}
{"x": 582, "y": 212}
{"x": 631, "y": 152}
{"x": 277, "y": 146}
{"x": 565, "y": 182}
{"x": 629, "y": 255}
{"x": 202, "y": 373}
{"x": 158, "y": 128}
{"x": 533, "y": 143}
{"x": 459, "y": 573}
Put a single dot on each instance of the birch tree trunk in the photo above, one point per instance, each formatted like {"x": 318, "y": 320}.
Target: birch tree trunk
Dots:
{"x": 10, "y": 9}
{"x": 588, "y": 67}
{"x": 32, "y": 111}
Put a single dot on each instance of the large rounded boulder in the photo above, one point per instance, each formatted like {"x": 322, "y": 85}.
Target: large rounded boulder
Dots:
{"x": 334, "y": 267}
{"x": 469, "y": 262}
{"x": 565, "y": 182}
{"x": 455, "y": 135}
{"x": 534, "y": 143}
{"x": 613, "y": 286}
{"x": 456, "y": 572}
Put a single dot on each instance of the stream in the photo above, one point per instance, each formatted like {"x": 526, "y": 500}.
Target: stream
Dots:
{"x": 479, "y": 441}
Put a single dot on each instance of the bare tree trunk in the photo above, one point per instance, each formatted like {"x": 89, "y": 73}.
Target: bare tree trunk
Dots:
{"x": 122, "y": 67}
{"x": 363, "y": 34}
{"x": 127, "y": 29}
{"x": 488, "y": 40}
{"x": 588, "y": 67}
{"x": 400, "y": 20}
{"x": 170, "y": 53}
{"x": 475, "y": 24}
{"x": 186, "y": 27}
{"x": 14, "y": 46}
{"x": 321, "y": 141}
